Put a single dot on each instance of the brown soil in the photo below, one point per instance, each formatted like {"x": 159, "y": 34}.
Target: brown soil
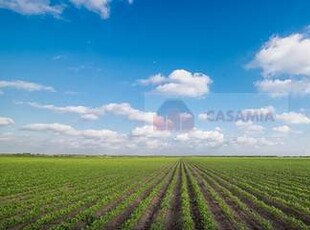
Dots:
{"x": 110, "y": 206}
{"x": 174, "y": 217}
{"x": 194, "y": 205}
{"x": 118, "y": 221}
{"x": 290, "y": 211}
{"x": 223, "y": 222}
{"x": 150, "y": 215}
{"x": 277, "y": 223}
{"x": 240, "y": 215}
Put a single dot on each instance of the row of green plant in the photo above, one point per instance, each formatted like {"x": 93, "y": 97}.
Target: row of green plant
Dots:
{"x": 228, "y": 196}
{"x": 207, "y": 219}
{"x": 187, "y": 220}
{"x": 275, "y": 213}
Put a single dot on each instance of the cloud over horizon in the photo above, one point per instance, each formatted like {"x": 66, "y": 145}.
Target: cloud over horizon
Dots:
{"x": 93, "y": 113}
{"x": 5, "y": 121}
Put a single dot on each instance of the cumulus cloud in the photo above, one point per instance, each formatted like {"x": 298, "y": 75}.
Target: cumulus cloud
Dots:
{"x": 32, "y": 7}
{"x": 41, "y": 7}
{"x": 282, "y": 129}
{"x": 88, "y": 113}
{"x": 244, "y": 140}
{"x": 284, "y": 55}
{"x": 249, "y": 126}
{"x": 101, "y": 7}
{"x": 64, "y": 109}
{"x": 150, "y": 131}
{"x": 294, "y": 118}
{"x": 180, "y": 83}
{"x": 281, "y": 57}
{"x": 5, "y": 121}
{"x": 278, "y": 87}
{"x": 125, "y": 109}
{"x": 140, "y": 137}
{"x": 203, "y": 116}
{"x": 6, "y": 137}
{"x": 262, "y": 111}
{"x": 153, "y": 80}
{"x": 256, "y": 141}
{"x": 148, "y": 136}
{"x": 62, "y": 129}
{"x": 85, "y": 112}
{"x": 53, "y": 127}
{"x": 201, "y": 137}
{"x": 25, "y": 85}
{"x": 90, "y": 117}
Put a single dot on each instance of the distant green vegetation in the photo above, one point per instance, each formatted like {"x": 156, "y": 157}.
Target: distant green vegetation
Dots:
{"x": 154, "y": 192}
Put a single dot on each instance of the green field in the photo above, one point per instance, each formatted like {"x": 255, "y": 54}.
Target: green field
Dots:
{"x": 154, "y": 193}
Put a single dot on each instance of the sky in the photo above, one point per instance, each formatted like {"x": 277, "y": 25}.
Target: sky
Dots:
{"x": 182, "y": 77}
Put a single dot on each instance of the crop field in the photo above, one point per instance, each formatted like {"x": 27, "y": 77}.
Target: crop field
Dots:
{"x": 154, "y": 193}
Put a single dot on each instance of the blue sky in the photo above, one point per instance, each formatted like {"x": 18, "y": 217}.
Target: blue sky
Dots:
{"x": 83, "y": 76}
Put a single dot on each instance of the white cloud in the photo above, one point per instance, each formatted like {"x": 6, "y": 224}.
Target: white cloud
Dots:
{"x": 5, "y": 121}
{"x": 147, "y": 136}
{"x": 294, "y": 118}
{"x": 53, "y": 127}
{"x": 249, "y": 126}
{"x": 32, "y": 7}
{"x": 284, "y": 55}
{"x": 278, "y": 87}
{"x": 262, "y": 111}
{"x": 62, "y": 129}
{"x": 101, "y": 7}
{"x": 25, "y": 85}
{"x": 203, "y": 116}
{"x": 90, "y": 117}
{"x": 64, "y": 109}
{"x": 244, "y": 140}
{"x": 282, "y": 129}
{"x": 256, "y": 142}
{"x": 125, "y": 109}
{"x": 5, "y": 137}
{"x": 149, "y": 131}
{"x": 153, "y": 80}
{"x": 140, "y": 140}
{"x": 180, "y": 83}
{"x": 201, "y": 137}
{"x": 281, "y": 57}
{"x": 88, "y": 113}
{"x": 85, "y": 112}
{"x": 155, "y": 144}
{"x": 41, "y": 7}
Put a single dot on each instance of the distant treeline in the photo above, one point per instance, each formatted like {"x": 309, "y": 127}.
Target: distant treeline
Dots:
{"x": 150, "y": 156}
